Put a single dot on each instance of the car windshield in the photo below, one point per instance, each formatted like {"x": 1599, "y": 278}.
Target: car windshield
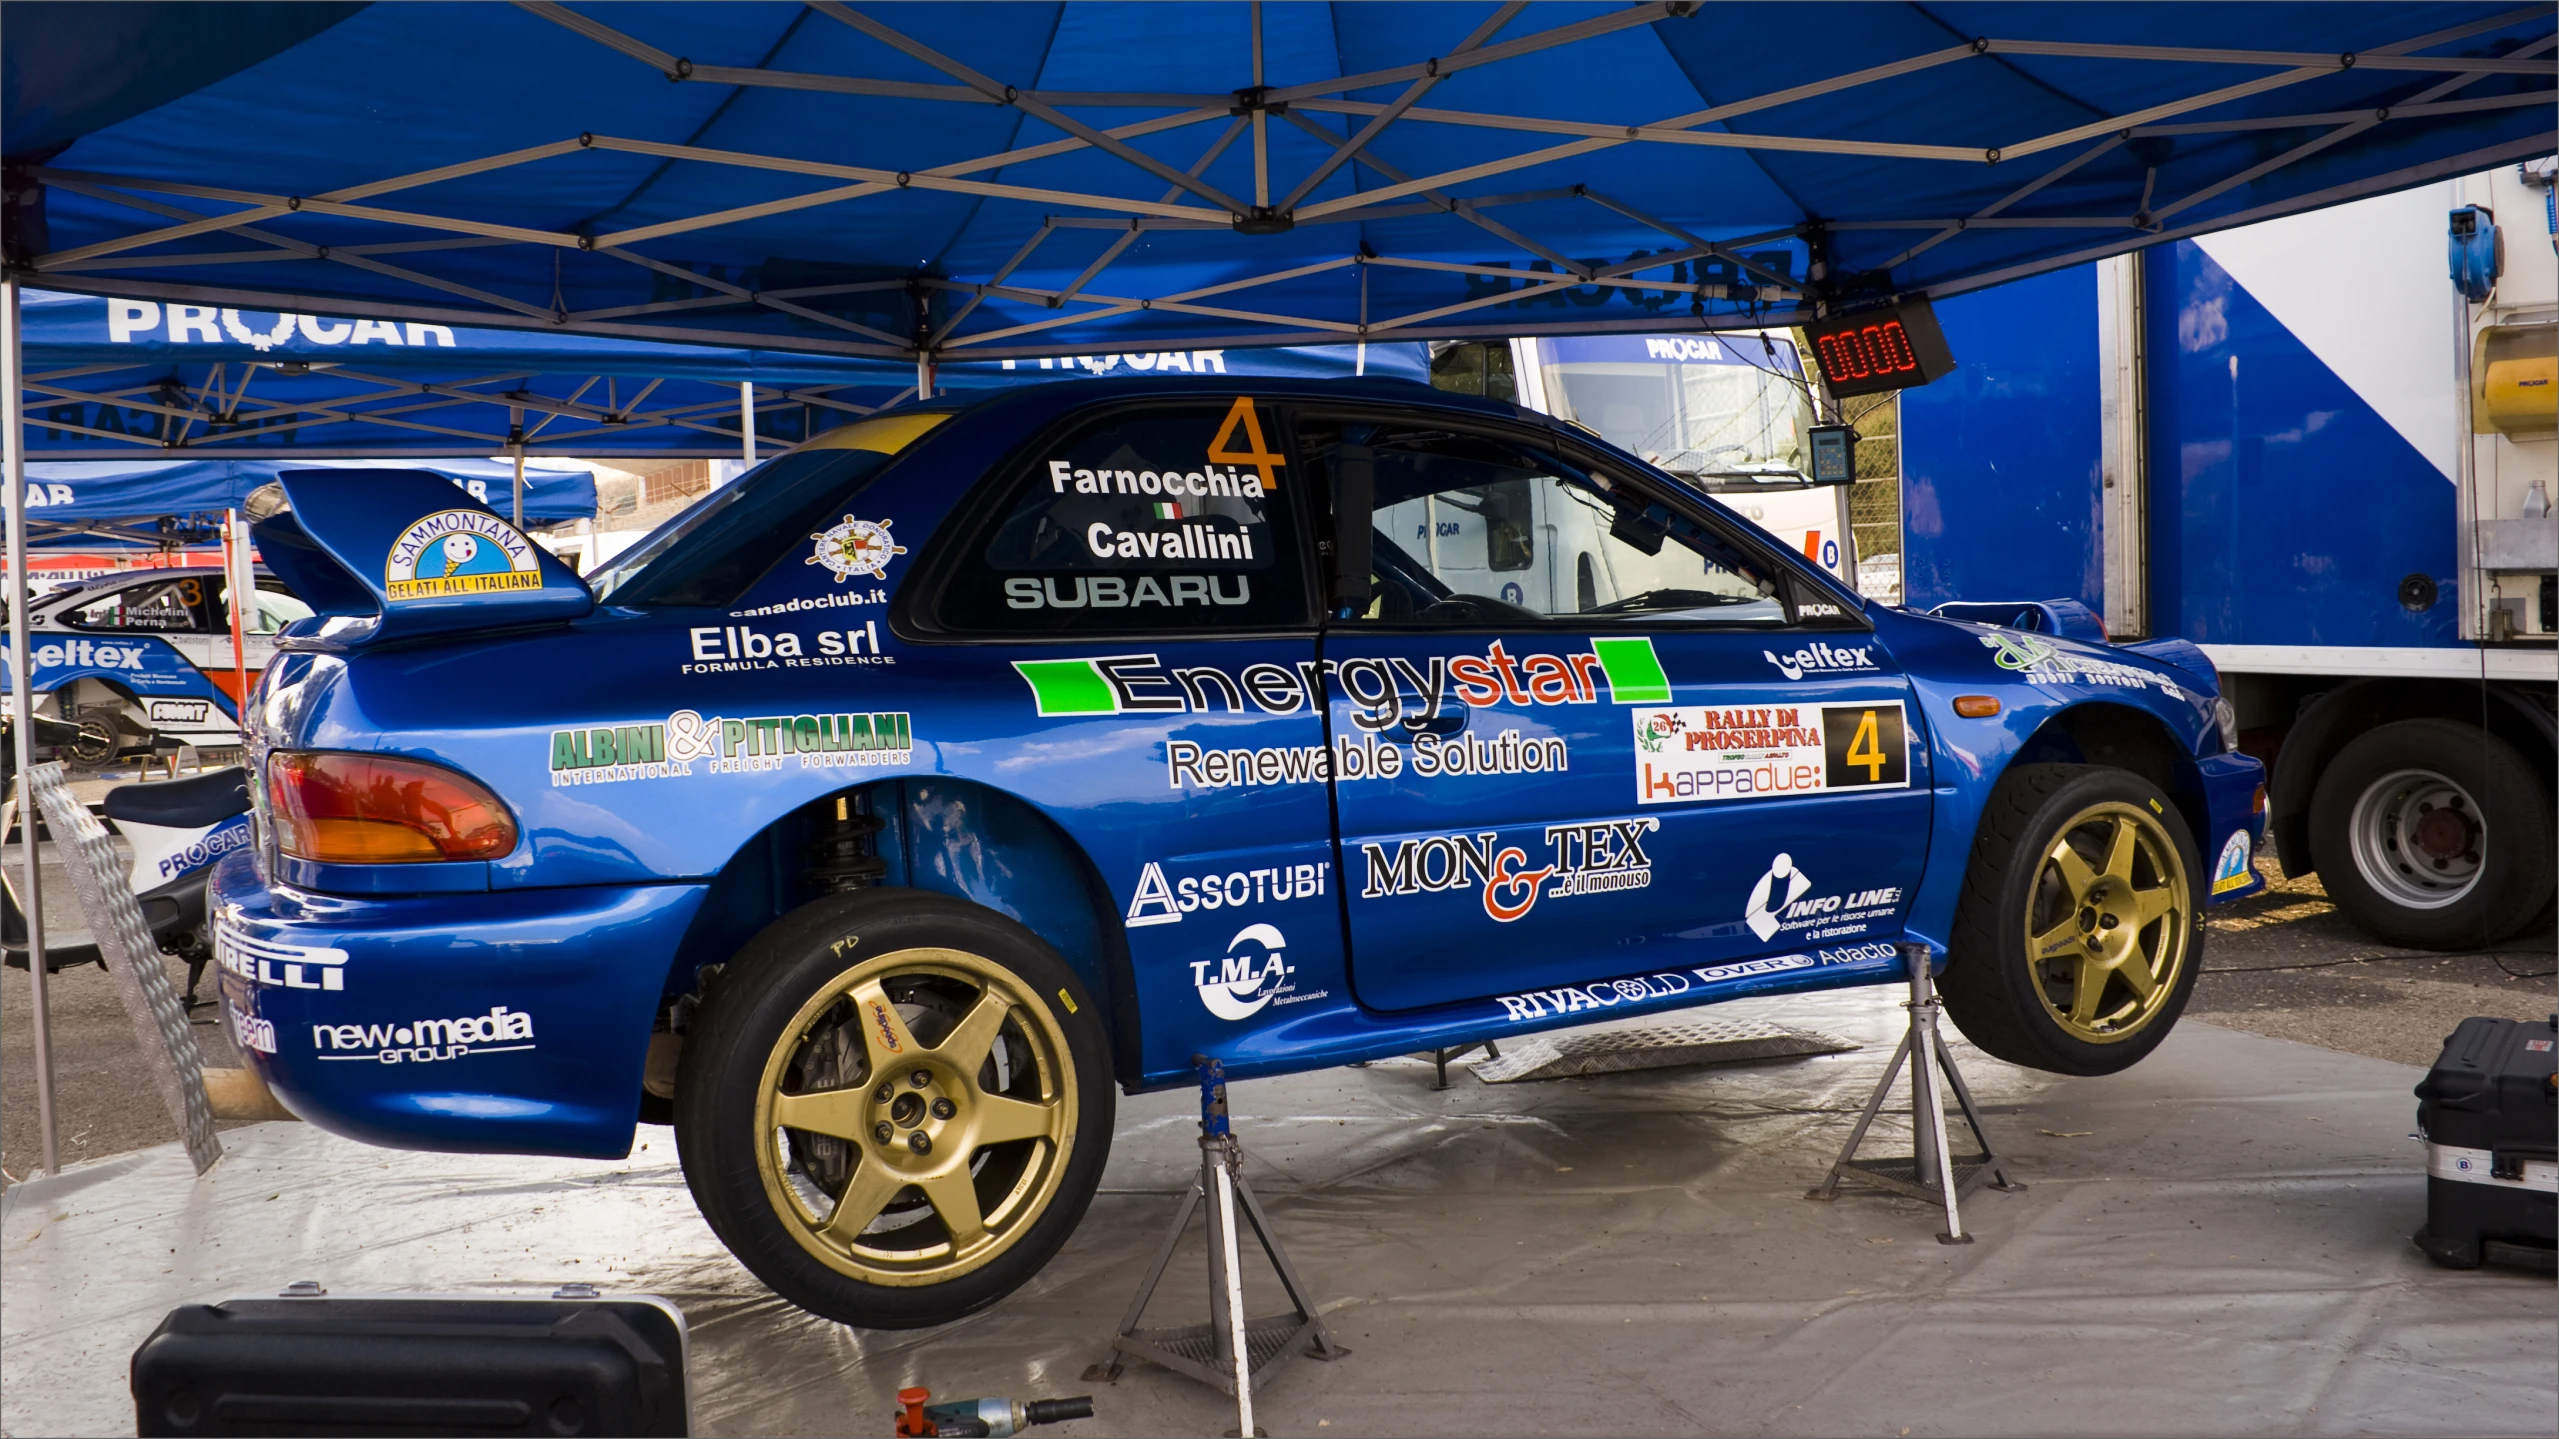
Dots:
{"x": 709, "y": 554}
{"x": 1718, "y": 410}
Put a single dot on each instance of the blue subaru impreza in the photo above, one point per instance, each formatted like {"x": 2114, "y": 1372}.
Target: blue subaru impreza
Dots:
{"x": 874, "y": 819}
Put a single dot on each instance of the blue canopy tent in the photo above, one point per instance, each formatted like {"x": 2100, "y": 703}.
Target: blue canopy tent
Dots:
{"x": 932, "y": 182}
{"x": 116, "y": 378}
{"x": 161, "y": 503}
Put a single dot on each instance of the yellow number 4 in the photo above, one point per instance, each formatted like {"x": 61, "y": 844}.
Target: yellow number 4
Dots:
{"x": 1865, "y": 748}
{"x": 1259, "y": 457}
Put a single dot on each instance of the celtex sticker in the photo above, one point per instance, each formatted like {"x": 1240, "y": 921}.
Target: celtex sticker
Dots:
{"x": 1710, "y": 752}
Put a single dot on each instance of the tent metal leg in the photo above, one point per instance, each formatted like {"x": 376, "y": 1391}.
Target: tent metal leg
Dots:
{"x": 21, "y": 704}
{"x": 746, "y": 422}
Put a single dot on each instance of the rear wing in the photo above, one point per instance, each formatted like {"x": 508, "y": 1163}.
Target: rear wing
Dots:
{"x": 388, "y": 554}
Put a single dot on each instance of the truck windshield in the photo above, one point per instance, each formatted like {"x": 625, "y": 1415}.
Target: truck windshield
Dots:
{"x": 1718, "y": 410}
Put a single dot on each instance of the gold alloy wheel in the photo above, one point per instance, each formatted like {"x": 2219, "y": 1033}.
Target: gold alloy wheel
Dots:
{"x": 2111, "y": 923}
{"x": 916, "y": 1117}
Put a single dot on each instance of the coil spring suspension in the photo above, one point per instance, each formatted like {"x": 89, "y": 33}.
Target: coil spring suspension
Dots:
{"x": 840, "y": 858}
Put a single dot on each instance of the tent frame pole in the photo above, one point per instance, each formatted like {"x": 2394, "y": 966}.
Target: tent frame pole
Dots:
{"x": 22, "y": 704}
{"x": 746, "y": 422}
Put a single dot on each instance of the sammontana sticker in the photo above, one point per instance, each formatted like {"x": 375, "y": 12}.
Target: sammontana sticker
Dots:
{"x": 606, "y": 754}
{"x": 459, "y": 552}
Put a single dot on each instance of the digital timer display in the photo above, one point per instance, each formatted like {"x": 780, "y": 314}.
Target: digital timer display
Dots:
{"x": 1868, "y": 352}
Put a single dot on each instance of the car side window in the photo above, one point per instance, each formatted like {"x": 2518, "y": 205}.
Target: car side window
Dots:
{"x": 177, "y": 606}
{"x": 1170, "y": 519}
{"x": 1470, "y": 529}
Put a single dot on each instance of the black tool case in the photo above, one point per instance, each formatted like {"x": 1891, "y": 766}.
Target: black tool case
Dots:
{"x": 2489, "y": 1111}
{"x": 304, "y": 1363}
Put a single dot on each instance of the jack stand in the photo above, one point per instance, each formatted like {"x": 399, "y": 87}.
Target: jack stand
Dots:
{"x": 1230, "y": 1353}
{"x": 1441, "y": 1057}
{"x": 1933, "y": 1172}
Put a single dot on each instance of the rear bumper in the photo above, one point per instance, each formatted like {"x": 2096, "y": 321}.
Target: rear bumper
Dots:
{"x": 509, "y": 1023}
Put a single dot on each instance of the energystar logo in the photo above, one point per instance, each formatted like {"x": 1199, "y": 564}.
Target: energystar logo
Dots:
{"x": 425, "y": 1041}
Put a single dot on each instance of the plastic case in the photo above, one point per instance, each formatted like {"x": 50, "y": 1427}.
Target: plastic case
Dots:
{"x": 2489, "y": 1110}
{"x": 415, "y": 1364}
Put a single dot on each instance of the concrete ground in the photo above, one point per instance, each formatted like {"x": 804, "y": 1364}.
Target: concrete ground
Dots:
{"x": 2215, "y": 1242}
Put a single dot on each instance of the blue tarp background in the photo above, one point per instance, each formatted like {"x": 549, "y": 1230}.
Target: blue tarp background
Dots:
{"x": 89, "y": 493}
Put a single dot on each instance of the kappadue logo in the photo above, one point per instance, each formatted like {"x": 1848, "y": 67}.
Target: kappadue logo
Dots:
{"x": 2233, "y": 871}
{"x": 459, "y": 552}
{"x": 1698, "y": 752}
{"x": 1778, "y": 902}
{"x": 1253, "y": 974}
{"x": 855, "y": 547}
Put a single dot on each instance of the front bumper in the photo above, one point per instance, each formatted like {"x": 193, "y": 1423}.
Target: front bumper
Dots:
{"x": 2234, "y": 787}
{"x": 505, "y": 1023}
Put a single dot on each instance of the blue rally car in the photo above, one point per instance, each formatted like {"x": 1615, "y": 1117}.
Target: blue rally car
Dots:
{"x": 876, "y": 818}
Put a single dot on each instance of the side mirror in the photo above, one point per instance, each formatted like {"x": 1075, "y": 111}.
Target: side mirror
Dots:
{"x": 1354, "y": 548}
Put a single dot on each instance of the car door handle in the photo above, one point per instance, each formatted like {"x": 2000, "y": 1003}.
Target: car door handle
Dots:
{"x": 1448, "y": 722}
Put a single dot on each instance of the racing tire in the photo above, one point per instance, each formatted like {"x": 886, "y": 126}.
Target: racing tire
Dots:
{"x": 2079, "y": 933}
{"x": 893, "y": 1107}
{"x": 2433, "y": 834}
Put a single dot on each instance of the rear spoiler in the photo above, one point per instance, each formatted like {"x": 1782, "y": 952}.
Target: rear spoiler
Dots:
{"x": 389, "y": 554}
{"x": 2072, "y": 620}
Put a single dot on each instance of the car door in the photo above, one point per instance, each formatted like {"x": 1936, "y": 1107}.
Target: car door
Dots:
{"x": 1587, "y": 727}
{"x": 1147, "y": 576}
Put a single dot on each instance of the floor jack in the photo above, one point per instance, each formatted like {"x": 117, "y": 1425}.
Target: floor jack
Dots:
{"x": 1933, "y": 1172}
{"x": 1230, "y": 1353}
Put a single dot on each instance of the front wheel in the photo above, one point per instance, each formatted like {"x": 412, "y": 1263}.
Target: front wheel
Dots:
{"x": 894, "y": 1107}
{"x": 2079, "y": 935}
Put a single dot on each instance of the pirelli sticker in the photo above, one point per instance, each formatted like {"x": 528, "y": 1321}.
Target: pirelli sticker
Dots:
{"x": 1711, "y": 752}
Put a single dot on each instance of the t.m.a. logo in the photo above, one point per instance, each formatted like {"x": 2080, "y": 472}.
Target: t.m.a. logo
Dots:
{"x": 604, "y": 754}
{"x": 459, "y": 552}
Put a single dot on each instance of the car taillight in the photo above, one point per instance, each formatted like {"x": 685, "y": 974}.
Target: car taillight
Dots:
{"x": 372, "y": 809}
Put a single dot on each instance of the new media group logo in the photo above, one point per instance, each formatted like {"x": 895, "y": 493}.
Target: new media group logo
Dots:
{"x": 426, "y": 1041}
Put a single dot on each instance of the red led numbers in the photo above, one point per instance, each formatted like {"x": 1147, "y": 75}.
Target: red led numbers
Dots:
{"x": 1869, "y": 351}
{"x": 1882, "y": 349}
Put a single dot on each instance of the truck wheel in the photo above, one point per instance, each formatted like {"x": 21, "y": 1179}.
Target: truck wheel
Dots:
{"x": 893, "y": 1107}
{"x": 2433, "y": 834}
{"x": 2078, "y": 936}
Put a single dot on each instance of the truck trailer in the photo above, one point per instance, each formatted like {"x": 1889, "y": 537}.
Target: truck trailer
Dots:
{"x": 2323, "y": 449}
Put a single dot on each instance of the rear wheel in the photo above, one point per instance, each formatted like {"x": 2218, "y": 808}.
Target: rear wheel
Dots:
{"x": 2433, "y": 834}
{"x": 2079, "y": 936}
{"x": 894, "y": 1107}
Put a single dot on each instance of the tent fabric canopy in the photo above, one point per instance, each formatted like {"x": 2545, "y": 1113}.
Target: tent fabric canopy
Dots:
{"x": 83, "y": 502}
{"x": 1019, "y": 179}
{"x": 118, "y": 378}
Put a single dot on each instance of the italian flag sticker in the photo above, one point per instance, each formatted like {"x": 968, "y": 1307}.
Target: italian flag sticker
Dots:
{"x": 1167, "y": 510}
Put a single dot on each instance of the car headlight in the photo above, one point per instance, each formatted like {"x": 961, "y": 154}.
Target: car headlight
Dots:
{"x": 2226, "y": 715}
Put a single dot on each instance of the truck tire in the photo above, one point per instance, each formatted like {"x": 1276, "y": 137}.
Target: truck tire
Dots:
{"x": 2433, "y": 834}
{"x": 2079, "y": 933}
{"x": 894, "y": 1107}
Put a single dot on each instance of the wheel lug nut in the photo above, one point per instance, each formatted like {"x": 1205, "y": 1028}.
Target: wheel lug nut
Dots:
{"x": 884, "y": 1093}
{"x": 944, "y": 1109}
{"x": 920, "y": 1078}
{"x": 884, "y": 1132}
{"x": 920, "y": 1142}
